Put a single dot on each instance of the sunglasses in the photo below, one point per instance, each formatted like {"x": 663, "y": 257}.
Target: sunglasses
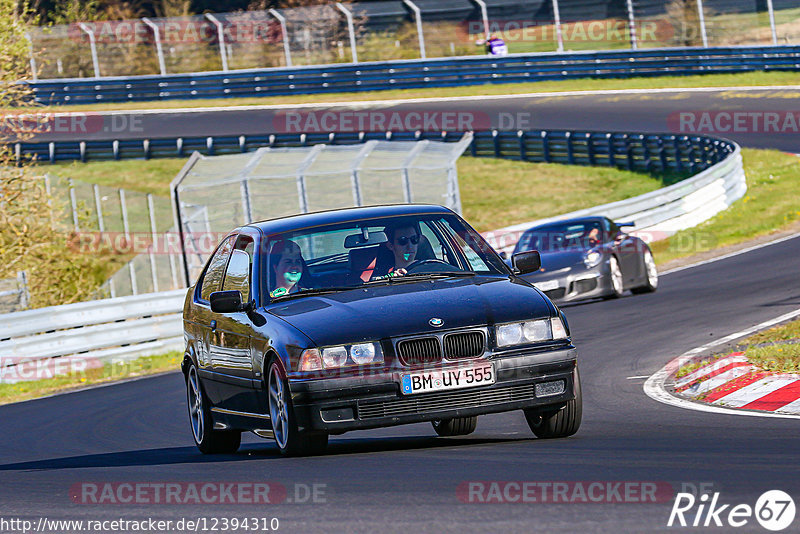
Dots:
{"x": 403, "y": 240}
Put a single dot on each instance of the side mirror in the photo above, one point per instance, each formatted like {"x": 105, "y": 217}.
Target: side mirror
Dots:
{"x": 526, "y": 262}
{"x": 227, "y": 302}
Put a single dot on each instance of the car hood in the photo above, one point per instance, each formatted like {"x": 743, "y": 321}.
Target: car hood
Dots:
{"x": 554, "y": 261}
{"x": 398, "y": 309}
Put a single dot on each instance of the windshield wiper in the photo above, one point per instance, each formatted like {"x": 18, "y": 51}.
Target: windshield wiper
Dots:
{"x": 420, "y": 276}
{"x": 316, "y": 291}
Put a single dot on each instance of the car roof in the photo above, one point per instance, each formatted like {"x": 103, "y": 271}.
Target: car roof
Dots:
{"x": 561, "y": 222}
{"x": 307, "y": 220}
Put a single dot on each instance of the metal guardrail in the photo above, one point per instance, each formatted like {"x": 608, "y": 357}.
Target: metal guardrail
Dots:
{"x": 649, "y": 152}
{"x": 660, "y": 213}
{"x": 93, "y": 332}
{"x": 409, "y": 74}
{"x": 14, "y": 294}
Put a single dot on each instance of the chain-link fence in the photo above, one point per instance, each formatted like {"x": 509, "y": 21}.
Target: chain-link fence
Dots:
{"x": 217, "y": 193}
{"x": 126, "y": 222}
{"x": 400, "y": 29}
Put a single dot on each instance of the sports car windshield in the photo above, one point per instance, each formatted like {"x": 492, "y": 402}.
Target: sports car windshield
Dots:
{"x": 376, "y": 251}
{"x": 561, "y": 237}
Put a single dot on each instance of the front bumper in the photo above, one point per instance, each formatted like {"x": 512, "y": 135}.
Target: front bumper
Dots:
{"x": 575, "y": 283}
{"x": 337, "y": 405}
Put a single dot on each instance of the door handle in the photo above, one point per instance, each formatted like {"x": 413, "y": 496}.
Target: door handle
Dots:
{"x": 213, "y": 325}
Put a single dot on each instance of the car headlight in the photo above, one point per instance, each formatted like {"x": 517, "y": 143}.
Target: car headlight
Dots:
{"x": 341, "y": 356}
{"x": 592, "y": 259}
{"x": 530, "y": 332}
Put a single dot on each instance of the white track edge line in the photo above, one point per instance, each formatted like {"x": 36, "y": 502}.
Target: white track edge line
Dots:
{"x": 731, "y": 254}
{"x": 654, "y": 386}
{"x": 391, "y": 102}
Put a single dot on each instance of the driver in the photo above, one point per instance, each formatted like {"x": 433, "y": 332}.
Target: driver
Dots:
{"x": 288, "y": 268}
{"x": 402, "y": 240}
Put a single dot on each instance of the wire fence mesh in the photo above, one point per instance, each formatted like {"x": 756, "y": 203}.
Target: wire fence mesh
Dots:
{"x": 400, "y": 29}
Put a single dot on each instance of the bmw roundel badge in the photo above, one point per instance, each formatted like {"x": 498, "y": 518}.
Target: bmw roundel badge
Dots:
{"x": 435, "y": 322}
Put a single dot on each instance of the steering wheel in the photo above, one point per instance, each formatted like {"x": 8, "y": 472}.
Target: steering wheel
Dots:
{"x": 418, "y": 263}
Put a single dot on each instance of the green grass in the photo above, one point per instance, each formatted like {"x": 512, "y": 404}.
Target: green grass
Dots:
{"x": 780, "y": 357}
{"x": 783, "y": 358}
{"x": 588, "y": 84}
{"x": 770, "y": 204}
{"x": 498, "y": 193}
{"x": 108, "y": 373}
{"x": 146, "y": 176}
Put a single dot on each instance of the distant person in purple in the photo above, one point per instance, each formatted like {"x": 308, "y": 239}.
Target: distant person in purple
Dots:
{"x": 495, "y": 46}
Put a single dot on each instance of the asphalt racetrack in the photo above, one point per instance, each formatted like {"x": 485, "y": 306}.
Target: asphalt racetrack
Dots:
{"x": 404, "y": 479}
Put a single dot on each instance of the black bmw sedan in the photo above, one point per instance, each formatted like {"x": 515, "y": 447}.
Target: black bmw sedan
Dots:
{"x": 317, "y": 324}
{"x": 588, "y": 257}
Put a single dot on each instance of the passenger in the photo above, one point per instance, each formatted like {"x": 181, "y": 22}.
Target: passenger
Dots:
{"x": 403, "y": 241}
{"x": 288, "y": 268}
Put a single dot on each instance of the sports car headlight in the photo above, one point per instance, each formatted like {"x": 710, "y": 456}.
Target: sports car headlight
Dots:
{"x": 349, "y": 355}
{"x": 530, "y": 332}
{"x": 592, "y": 259}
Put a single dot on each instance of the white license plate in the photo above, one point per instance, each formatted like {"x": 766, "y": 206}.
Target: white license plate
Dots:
{"x": 547, "y": 285}
{"x": 445, "y": 379}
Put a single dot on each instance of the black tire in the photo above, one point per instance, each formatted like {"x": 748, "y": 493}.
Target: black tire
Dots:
{"x": 208, "y": 440}
{"x": 290, "y": 441}
{"x": 561, "y": 423}
{"x": 459, "y": 426}
{"x": 617, "y": 280}
{"x": 651, "y": 275}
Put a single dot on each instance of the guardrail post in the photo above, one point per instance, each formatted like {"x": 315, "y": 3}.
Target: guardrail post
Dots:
{"x": 221, "y": 37}
{"x": 123, "y": 208}
{"x": 677, "y": 145}
{"x": 51, "y": 148}
{"x": 557, "y": 21}
{"x": 154, "y": 236}
{"x": 590, "y": 148}
{"x": 159, "y": 51}
{"x": 771, "y": 11}
{"x": 92, "y": 47}
{"x": 350, "y": 29}
{"x": 421, "y": 35}
{"x": 34, "y": 74}
{"x": 632, "y": 25}
{"x": 210, "y": 145}
{"x": 179, "y": 146}
{"x": 22, "y": 284}
{"x": 146, "y": 148}
{"x": 702, "y": 17}
{"x": 612, "y": 162}
{"x": 74, "y": 203}
{"x": 484, "y": 17}
{"x": 496, "y": 141}
{"x": 285, "y": 34}
{"x": 570, "y": 149}
{"x": 523, "y": 156}
{"x": 662, "y": 155}
{"x": 98, "y": 208}
{"x": 115, "y": 148}
{"x": 545, "y": 146}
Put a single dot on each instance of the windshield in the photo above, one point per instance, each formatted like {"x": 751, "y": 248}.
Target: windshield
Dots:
{"x": 583, "y": 235}
{"x": 376, "y": 251}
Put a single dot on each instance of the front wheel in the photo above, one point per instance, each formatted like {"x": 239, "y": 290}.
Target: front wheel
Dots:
{"x": 458, "y": 426}
{"x": 290, "y": 441}
{"x": 652, "y": 275}
{"x": 208, "y": 440}
{"x": 616, "y": 279}
{"x": 561, "y": 423}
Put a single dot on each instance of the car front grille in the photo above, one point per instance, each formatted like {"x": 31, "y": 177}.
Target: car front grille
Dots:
{"x": 445, "y": 400}
{"x": 463, "y": 345}
{"x": 419, "y": 350}
{"x": 556, "y": 293}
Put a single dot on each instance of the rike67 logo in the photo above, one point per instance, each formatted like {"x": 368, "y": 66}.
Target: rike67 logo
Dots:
{"x": 774, "y": 510}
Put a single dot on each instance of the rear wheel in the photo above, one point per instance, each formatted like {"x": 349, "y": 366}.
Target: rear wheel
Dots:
{"x": 208, "y": 440}
{"x": 561, "y": 423}
{"x": 616, "y": 279}
{"x": 459, "y": 426}
{"x": 651, "y": 272}
{"x": 288, "y": 437}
